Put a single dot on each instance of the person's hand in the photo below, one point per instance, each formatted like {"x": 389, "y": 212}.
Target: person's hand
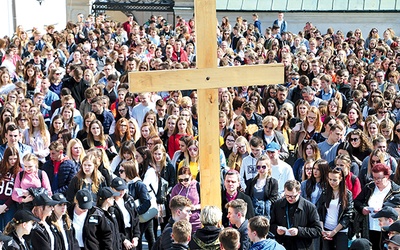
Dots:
{"x": 297, "y": 127}
{"x": 29, "y": 198}
{"x": 128, "y": 244}
{"x": 281, "y": 230}
{"x": 25, "y": 193}
{"x": 328, "y": 235}
{"x": 293, "y": 231}
{"x": 365, "y": 211}
{"x": 3, "y": 208}
{"x": 135, "y": 241}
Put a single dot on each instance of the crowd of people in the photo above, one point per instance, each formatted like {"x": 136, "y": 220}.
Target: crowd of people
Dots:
{"x": 310, "y": 163}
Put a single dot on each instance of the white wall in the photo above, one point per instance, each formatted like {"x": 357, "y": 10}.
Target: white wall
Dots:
{"x": 324, "y": 20}
{"x": 6, "y": 18}
{"x": 30, "y": 14}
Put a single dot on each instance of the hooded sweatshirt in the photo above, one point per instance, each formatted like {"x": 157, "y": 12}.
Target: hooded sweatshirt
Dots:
{"x": 267, "y": 244}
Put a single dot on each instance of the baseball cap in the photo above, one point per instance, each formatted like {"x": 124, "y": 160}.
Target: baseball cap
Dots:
{"x": 106, "y": 192}
{"x": 84, "y": 198}
{"x": 60, "y": 198}
{"x": 360, "y": 244}
{"x": 273, "y": 146}
{"x": 394, "y": 227}
{"x": 395, "y": 240}
{"x": 387, "y": 212}
{"x": 23, "y": 215}
{"x": 118, "y": 184}
{"x": 43, "y": 200}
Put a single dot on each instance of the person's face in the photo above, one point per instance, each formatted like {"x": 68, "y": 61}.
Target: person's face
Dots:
{"x": 158, "y": 155}
{"x": 27, "y": 227}
{"x": 233, "y": 216}
{"x": 96, "y": 108}
{"x": 225, "y": 97}
{"x": 150, "y": 119}
{"x": 373, "y": 86}
{"x": 185, "y": 213}
{"x": 386, "y": 132}
{"x": 268, "y": 129}
{"x": 231, "y": 183}
{"x": 5, "y": 78}
{"x": 60, "y": 209}
{"x": 309, "y": 151}
{"x": 88, "y": 167}
{"x": 282, "y": 96}
{"x": 381, "y": 113}
{"x": 373, "y": 129}
{"x": 263, "y": 167}
{"x": 316, "y": 172}
{"x": 311, "y": 118}
{"x": 270, "y": 107}
{"x": 248, "y": 114}
{"x": 184, "y": 179}
{"x": 230, "y": 141}
{"x": 336, "y": 135}
{"x": 381, "y": 180}
{"x": 175, "y": 111}
{"x": 55, "y": 155}
{"x": 238, "y": 126}
{"x": 222, "y": 123}
{"x": 111, "y": 83}
{"x": 334, "y": 180}
{"x": 382, "y": 146}
{"x": 35, "y": 121}
{"x": 145, "y": 131}
{"x": 47, "y": 211}
{"x": 182, "y": 125}
{"x": 144, "y": 99}
{"x": 13, "y": 137}
{"x": 292, "y": 196}
{"x": 67, "y": 114}
{"x": 302, "y": 110}
{"x": 193, "y": 151}
{"x": 161, "y": 110}
{"x": 171, "y": 124}
{"x": 95, "y": 129}
{"x": 30, "y": 166}
{"x": 12, "y": 159}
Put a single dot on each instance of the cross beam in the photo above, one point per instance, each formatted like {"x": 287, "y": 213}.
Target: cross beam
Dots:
{"x": 207, "y": 78}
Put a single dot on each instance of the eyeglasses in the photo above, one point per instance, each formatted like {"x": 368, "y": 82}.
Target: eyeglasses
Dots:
{"x": 295, "y": 78}
{"x": 261, "y": 166}
{"x": 379, "y": 178}
{"x": 382, "y": 112}
{"x": 121, "y": 171}
{"x": 120, "y": 110}
{"x": 354, "y": 139}
{"x": 291, "y": 196}
{"x": 183, "y": 180}
{"x": 270, "y": 128}
{"x": 311, "y": 117}
{"x": 229, "y": 140}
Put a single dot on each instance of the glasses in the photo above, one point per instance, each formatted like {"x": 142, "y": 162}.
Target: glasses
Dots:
{"x": 121, "y": 110}
{"x": 291, "y": 196}
{"x": 354, "y": 139}
{"x": 183, "y": 180}
{"x": 382, "y": 112}
{"x": 193, "y": 149}
{"x": 143, "y": 68}
{"x": 379, "y": 178}
{"x": 375, "y": 162}
{"x": 397, "y": 130}
{"x": 295, "y": 78}
{"x": 270, "y": 128}
{"x": 121, "y": 171}
{"x": 311, "y": 117}
{"x": 229, "y": 140}
{"x": 261, "y": 166}
{"x": 309, "y": 169}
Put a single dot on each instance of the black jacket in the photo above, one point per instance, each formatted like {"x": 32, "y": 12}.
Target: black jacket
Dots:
{"x": 77, "y": 89}
{"x": 208, "y": 235}
{"x": 344, "y": 214}
{"x": 240, "y": 195}
{"x": 96, "y": 232}
{"x": 166, "y": 239}
{"x": 113, "y": 223}
{"x": 16, "y": 243}
{"x": 244, "y": 236}
{"x": 362, "y": 199}
{"x": 270, "y": 189}
{"x": 70, "y": 234}
{"x": 306, "y": 220}
{"x": 134, "y": 230}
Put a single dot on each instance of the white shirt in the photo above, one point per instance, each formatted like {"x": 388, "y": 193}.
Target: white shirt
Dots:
{"x": 282, "y": 173}
{"x": 376, "y": 202}
{"x": 125, "y": 213}
{"x": 78, "y": 222}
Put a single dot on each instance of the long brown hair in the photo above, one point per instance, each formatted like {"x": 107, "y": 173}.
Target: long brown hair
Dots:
{"x": 5, "y": 166}
{"x": 117, "y": 134}
{"x": 96, "y": 176}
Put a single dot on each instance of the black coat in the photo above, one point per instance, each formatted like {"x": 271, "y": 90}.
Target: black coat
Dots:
{"x": 240, "y": 195}
{"x": 344, "y": 214}
{"x": 207, "y": 235}
{"x": 96, "y": 232}
{"x": 77, "y": 89}
{"x": 244, "y": 236}
{"x": 16, "y": 244}
{"x": 166, "y": 239}
{"x": 70, "y": 234}
{"x": 40, "y": 239}
{"x": 270, "y": 189}
{"x": 306, "y": 220}
{"x": 113, "y": 223}
{"x": 134, "y": 230}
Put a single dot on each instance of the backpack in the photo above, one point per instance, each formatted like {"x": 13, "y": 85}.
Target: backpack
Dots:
{"x": 21, "y": 174}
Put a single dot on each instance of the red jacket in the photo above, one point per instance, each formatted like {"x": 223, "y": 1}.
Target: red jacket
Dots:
{"x": 183, "y": 58}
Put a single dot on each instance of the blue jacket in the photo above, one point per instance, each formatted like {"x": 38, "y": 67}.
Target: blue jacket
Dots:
{"x": 106, "y": 118}
{"x": 267, "y": 244}
{"x": 65, "y": 174}
{"x": 23, "y": 149}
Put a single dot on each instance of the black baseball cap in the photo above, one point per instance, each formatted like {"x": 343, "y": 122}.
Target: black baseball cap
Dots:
{"x": 361, "y": 244}
{"x": 43, "y": 200}
{"x": 106, "y": 192}
{"x": 387, "y": 212}
{"x": 395, "y": 240}
{"x": 118, "y": 184}
{"x": 60, "y": 198}
{"x": 23, "y": 215}
{"x": 395, "y": 227}
{"x": 84, "y": 198}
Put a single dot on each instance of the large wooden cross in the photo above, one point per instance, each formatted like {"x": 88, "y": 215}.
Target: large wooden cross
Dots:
{"x": 207, "y": 78}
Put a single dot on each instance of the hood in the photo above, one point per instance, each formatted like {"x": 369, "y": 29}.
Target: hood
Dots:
{"x": 208, "y": 234}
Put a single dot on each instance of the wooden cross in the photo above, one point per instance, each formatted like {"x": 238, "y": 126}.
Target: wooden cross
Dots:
{"x": 207, "y": 78}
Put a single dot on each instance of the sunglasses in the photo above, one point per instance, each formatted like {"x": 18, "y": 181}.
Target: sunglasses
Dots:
{"x": 121, "y": 171}
{"x": 354, "y": 139}
{"x": 397, "y": 130}
{"x": 382, "y": 112}
{"x": 259, "y": 167}
{"x": 295, "y": 78}
{"x": 183, "y": 180}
